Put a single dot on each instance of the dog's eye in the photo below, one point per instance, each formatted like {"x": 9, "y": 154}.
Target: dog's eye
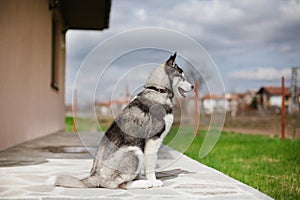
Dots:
{"x": 178, "y": 69}
{"x": 180, "y": 77}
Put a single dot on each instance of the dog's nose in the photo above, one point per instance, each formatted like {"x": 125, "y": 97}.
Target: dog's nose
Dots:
{"x": 192, "y": 87}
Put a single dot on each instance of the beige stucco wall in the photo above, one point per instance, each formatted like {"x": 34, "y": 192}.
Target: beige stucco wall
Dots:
{"x": 29, "y": 107}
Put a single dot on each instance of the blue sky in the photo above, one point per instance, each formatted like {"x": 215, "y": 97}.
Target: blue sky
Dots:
{"x": 252, "y": 43}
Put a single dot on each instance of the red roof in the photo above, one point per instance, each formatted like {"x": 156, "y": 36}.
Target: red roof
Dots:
{"x": 273, "y": 90}
{"x": 276, "y": 90}
{"x": 213, "y": 96}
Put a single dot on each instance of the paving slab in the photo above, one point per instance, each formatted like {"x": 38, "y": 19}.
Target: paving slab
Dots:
{"x": 28, "y": 170}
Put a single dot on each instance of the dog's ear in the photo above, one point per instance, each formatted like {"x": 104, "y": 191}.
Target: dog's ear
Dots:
{"x": 171, "y": 60}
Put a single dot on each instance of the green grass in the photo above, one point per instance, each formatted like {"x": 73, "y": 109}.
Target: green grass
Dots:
{"x": 83, "y": 124}
{"x": 267, "y": 164}
{"x": 68, "y": 124}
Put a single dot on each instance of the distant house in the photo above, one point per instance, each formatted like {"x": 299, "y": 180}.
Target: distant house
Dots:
{"x": 32, "y": 62}
{"x": 213, "y": 103}
{"x": 233, "y": 102}
{"x": 269, "y": 97}
{"x": 246, "y": 99}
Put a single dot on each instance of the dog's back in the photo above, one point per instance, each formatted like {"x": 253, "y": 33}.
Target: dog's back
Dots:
{"x": 133, "y": 139}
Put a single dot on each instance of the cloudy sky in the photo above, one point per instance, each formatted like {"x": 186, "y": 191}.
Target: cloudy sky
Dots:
{"x": 251, "y": 43}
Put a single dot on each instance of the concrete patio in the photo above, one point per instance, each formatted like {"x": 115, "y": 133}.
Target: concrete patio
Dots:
{"x": 28, "y": 170}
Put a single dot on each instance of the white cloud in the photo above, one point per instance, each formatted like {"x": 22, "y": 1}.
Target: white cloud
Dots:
{"x": 260, "y": 73}
{"x": 235, "y": 33}
{"x": 141, "y": 14}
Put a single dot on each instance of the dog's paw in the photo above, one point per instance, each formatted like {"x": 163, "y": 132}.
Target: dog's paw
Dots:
{"x": 138, "y": 184}
{"x": 146, "y": 184}
{"x": 157, "y": 183}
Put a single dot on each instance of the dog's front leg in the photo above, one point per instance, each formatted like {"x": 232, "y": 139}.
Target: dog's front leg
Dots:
{"x": 151, "y": 149}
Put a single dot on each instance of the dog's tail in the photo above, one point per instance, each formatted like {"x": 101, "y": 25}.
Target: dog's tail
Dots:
{"x": 72, "y": 182}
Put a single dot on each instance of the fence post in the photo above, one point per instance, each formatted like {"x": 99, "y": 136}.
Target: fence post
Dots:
{"x": 282, "y": 109}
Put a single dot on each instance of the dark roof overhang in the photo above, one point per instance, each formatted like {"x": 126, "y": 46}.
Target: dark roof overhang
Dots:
{"x": 85, "y": 14}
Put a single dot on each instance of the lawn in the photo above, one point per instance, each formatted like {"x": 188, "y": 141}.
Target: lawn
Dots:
{"x": 267, "y": 164}
{"x": 83, "y": 125}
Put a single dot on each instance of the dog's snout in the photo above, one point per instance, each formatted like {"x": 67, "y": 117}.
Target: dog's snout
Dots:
{"x": 192, "y": 87}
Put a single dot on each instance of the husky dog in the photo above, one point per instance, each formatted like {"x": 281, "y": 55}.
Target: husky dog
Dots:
{"x": 132, "y": 141}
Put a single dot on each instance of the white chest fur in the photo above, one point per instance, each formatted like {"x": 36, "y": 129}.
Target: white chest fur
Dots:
{"x": 168, "y": 124}
{"x": 151, "y": 149}
{"x": 153, "y": 145}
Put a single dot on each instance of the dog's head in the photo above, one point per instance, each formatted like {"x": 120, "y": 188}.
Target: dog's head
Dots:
{"x": 169, "y": 76}
{"x": 176, "y": 76}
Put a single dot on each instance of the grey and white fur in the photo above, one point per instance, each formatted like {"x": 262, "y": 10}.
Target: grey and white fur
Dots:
{"x": 132, "y": 141}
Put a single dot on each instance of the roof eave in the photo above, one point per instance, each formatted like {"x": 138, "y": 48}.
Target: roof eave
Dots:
{"x": 86, "y": 15}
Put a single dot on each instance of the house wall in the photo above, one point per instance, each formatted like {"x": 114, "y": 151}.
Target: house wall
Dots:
{"x": 209, "y": 105}
{"x": 265, "y": 100}
{"x": 30, "y": 108}
{"x": 276, "y": 101}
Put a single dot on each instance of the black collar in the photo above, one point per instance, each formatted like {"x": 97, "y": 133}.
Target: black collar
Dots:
{"x": 166, "y": 90}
